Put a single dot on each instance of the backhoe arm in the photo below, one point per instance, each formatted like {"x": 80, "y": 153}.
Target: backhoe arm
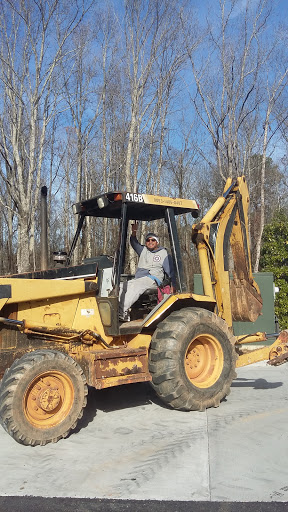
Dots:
{"x": 222, "y": 241}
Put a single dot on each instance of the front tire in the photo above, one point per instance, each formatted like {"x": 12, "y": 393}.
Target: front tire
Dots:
{"x": 192, "y": 359}
{"x": 42, "y": 397}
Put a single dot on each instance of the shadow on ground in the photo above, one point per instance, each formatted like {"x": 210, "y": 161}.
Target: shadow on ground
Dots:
{"x": 255, "y": 384}
{"x": 114, "y": 399}
{"x": 140, "y": 394}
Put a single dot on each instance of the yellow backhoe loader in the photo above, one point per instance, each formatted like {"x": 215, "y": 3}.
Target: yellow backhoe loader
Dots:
{"x": 60, "y": 328}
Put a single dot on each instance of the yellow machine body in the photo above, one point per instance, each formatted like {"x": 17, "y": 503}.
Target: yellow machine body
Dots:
{"x": 71, "y": 314}
{"x": 66, "y": 328}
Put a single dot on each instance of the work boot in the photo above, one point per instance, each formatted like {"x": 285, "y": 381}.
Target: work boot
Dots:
{"x": 124, "y": 317}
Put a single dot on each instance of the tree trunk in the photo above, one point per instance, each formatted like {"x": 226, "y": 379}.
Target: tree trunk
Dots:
{"x": 262, "y": 196}
{"x": 23, "y": 253}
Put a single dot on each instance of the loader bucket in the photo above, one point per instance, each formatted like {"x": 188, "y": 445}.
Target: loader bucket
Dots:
{"x": 246, "y": 303}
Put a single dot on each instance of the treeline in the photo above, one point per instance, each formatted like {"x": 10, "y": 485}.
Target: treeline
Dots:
{"x": 155, "y": 96}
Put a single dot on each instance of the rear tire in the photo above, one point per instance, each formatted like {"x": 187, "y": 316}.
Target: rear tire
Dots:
{"x": 192, "y": 359}
{"x": 42, "y": 397}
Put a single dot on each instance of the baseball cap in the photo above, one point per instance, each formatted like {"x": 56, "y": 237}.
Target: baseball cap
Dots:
{"x": 152, "y": 235}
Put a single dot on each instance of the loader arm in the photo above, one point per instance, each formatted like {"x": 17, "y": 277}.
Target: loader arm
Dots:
{"x": 222, "y": 241}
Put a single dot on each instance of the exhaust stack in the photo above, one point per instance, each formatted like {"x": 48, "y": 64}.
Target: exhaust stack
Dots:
{"x": 44, "y": 235}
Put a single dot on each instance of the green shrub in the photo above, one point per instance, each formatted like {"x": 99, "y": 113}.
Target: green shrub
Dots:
{"x": 274, "y": 258}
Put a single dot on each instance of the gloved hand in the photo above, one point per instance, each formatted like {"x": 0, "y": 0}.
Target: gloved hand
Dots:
{"x": 134, "y": 227}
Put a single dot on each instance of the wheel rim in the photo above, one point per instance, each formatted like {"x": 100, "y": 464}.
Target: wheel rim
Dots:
{"x": 204, "y": 361}
{"x": 48, "y": 399}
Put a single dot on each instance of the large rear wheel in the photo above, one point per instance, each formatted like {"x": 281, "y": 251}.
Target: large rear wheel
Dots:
{"x": 42, "y": 397}
{"x": 192, "y": 359}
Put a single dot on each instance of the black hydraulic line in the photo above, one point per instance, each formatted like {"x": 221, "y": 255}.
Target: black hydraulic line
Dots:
{"x": 75, "y": 239}
{"x": 175, "y": 246}
{"x": 226, "y": 194}
{"x": 242, "y": 221}
{"x": 228, "y": 199}
{"x": 98, "y": 337}
{"x": 21, "y": 323}
{"x": 227, "y": 235}
{"x": 122, "y": 247}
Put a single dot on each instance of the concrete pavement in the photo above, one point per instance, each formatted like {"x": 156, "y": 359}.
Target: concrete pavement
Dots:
{"x": 130, "y": 446}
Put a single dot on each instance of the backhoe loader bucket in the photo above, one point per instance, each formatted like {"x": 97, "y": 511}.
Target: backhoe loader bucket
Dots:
{"x": 246, "y": 303}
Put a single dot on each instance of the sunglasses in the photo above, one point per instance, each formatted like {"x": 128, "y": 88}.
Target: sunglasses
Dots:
{"x": 151, "y": 240}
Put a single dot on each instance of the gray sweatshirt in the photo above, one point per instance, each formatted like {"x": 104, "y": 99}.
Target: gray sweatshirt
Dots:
{"x": 153, "y": 263}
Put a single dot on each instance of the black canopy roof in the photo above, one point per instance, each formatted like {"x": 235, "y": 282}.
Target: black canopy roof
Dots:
{"x": 139, "y": 206}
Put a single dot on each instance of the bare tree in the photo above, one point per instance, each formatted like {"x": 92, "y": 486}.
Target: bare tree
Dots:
{"x": 33, "y": 39}
{"x": 226, "y": 77}
{"x": 273, "y": 92}
{"x": 239, "y": 82}
{"x": 149, "y": 31}
{"x": 110, "y": 45}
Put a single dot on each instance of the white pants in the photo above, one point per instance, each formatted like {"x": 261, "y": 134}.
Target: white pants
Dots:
{"x": 131, "y": 290}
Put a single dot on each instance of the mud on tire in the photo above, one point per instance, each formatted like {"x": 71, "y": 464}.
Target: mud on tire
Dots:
{"x": 192, "y": 359}
{"x": 42, "y": 397}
